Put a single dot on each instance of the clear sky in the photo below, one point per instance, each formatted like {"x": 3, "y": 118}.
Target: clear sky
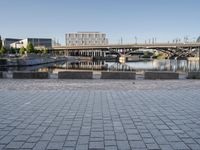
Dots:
{"x": 144, "y": 19}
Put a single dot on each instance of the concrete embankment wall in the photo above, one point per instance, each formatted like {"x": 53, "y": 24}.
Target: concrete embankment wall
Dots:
{"x": 160, "y": 75}
{"x": 118, "y": 75}
{"x": 30, "y": 61}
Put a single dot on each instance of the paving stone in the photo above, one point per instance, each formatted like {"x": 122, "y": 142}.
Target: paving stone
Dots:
{"x": 33, "y": 139}
{"x": 179, "y": 145}
{"x": 153, "y": 146}
{"x": 82, "y": 147}
{"x": 62, "y": 132}
{"x": 21, "y": 138}
{"x": 173, "y": 138}
{"x": 14, "y": 145}
{"x": 68, "y": 148}
{"x": 110, "y": 143}
{"x": 135, "y": 137}
{"x": 194, "y": 146}
{"x": 46, "y": 137}
{"x": 41, "y": 145}
{"x": 6, "y": 139}
{"x": 123, "y": 145}
{"x": 96, "y": 145}
{"x": 188, "y": 141}
{"x": 72, "y": 138}
{"x": 161, "y": 140}
{"x": 70, "y": 143}
{"x": 99, "y": 114}
{"x": 111, "y": 148}
{"x": 149, "y": 140}
{"x": 166, "y": 147}
{"x": 2, "y": 146}
{"x": 28, "y": 145}
{"x": 110, "y": 137}
{"x": 55, "y": 145}
{"x": 58, "y": 138}
{"x": 83, "y": 140}
{"x": 137, "y": 144}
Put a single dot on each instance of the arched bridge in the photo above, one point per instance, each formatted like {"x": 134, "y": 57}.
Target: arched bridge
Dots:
{"x": 172, "y": 49}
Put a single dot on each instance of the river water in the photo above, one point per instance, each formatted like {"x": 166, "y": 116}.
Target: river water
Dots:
{"x": 157, "y": 65}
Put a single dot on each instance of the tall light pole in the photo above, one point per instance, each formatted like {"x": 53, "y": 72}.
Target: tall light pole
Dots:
{"x": 199, "y": 59}
{"x": 135, "y": 40}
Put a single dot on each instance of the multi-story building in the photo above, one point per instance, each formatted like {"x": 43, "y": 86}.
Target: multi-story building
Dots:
{"x": 8, "y": 41}
{"x": 198, "y": 40}
{"x": 38, "y": 43}
{"x": 86, "y": 39}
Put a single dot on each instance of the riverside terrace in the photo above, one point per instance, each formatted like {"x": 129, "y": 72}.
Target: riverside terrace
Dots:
{"x": 99, "y": 114}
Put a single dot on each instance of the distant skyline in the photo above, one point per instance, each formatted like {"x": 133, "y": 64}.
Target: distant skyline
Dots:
{"x": 129, "y": 20}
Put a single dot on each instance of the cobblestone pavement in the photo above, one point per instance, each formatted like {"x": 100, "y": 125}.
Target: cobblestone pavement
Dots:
{"x": 99, "y": 114}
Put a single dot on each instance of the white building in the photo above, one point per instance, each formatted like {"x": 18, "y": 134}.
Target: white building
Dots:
{"x": 8, "y": 41}
{"x": 38, "y": 43}
{"x": 86, "y": 39}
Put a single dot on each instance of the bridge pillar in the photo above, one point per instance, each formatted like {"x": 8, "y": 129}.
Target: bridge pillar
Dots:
{"x": 66, "y": 53}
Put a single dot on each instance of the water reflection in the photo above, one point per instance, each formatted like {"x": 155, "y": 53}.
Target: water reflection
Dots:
{"x": 158, "y": 65}
{"x": 83, "y": 65}
{"x": 165, "y": 65}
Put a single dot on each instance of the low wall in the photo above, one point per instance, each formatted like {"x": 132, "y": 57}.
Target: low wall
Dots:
{"x": 1, "y": 74}
{"x": 117, "y": 75}
{"x": 193, "y": 75}
{"x": 30, "y": 75}
{"x": 75, "y": 75}
{"x": 161, "y": 75}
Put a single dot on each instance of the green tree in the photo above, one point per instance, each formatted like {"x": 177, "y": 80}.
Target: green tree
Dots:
{"x": 12, "y": 50}
{"x": 45, "y": 51}
{"x": 30, "y": 48}
{"x": 0, "y": 42}
{"x": 22, "y": 50}
{"x": 3, "y": 50}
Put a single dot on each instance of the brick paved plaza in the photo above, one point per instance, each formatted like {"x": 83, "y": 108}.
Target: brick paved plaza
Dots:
{"x": 99, "y": 114}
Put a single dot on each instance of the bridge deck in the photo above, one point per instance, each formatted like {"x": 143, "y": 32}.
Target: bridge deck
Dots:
{"x": 130, "y": 46}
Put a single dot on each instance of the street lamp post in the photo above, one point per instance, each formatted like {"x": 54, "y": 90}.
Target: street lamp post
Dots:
{"x": 199, "y": 59}
{"x": 135, "y": 40}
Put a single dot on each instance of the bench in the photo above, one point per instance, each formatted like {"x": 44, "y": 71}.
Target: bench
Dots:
{"x": 117, "y": 75}
{"x": 1, "y": 74}
{"x": 30, "y": 75}
{"x": 193, "y": 75}
{"x": 75, "y": 75}
{"x": 161, "y": 75}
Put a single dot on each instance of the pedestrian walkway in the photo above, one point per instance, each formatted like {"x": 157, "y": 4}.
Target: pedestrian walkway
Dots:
{"x": 99, "y": 114}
